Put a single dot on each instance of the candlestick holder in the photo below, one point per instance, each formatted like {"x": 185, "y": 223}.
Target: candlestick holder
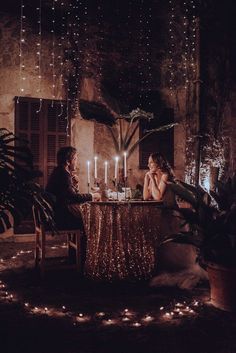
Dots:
{"x": 125, "y": 183}
{"x": 116, "y": 187}
{"x": 96, "y": 183}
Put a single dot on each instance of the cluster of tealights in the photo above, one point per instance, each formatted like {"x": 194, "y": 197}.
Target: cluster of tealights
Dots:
{"x": 106, "y": 169}
{"x": 125, "y": 317}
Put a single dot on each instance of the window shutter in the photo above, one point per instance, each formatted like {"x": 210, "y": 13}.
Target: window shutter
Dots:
{"x": 45, "y": 130}
{"x": 56, "y": 134}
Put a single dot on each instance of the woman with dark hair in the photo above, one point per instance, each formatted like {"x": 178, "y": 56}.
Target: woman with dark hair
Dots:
{"x": 156, "y": 180}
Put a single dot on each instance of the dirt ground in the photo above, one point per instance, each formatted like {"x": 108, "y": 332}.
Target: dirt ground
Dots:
{"x": 67, "y": 314}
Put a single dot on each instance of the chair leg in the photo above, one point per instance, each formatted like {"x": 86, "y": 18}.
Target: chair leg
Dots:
{"x": 43, "y": 254}
{"x": 36, "y": 250}
{"x": 74, "y": 249}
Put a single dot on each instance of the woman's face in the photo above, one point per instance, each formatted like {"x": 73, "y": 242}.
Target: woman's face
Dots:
{"x": 153, "y": 166}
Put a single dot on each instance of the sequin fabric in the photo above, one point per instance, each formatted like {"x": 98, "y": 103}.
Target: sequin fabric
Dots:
{"x": 122, "y": 238}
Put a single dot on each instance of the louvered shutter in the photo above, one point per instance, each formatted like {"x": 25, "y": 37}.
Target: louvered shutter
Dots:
{"x": 45, "y": 130}
{"x": 56, "y": 132}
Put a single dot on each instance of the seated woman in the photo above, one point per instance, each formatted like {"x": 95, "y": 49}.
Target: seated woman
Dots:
{"x": 170, "y": 256}
{"x": 156, "y": 180}
{"x": 63, "y": 184}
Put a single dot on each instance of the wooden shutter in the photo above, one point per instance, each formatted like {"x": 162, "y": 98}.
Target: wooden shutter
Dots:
{"x": 46, "y": 131}
{"x": 56, "y": 135}
{"x": 162, "y": 142}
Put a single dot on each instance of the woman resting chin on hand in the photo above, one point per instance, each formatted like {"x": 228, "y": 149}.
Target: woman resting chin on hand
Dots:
{"x": 156, "y": 179}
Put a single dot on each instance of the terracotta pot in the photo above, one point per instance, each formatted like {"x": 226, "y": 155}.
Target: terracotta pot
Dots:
{"x": 223, "y": 286}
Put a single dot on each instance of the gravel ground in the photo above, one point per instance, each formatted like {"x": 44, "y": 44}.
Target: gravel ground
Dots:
{"x": 67, "y": 314}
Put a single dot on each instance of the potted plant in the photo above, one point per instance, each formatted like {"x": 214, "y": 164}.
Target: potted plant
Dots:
{"x": 211, "y": 228}
{"x": 18, "y": 191}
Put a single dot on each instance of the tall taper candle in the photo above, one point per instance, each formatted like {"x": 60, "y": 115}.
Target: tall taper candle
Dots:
{"x": 106, "y": 165}
{"x": 88, "y": 171}
{"x": 125, "y": 164}
{"x": 116, "y": 167}
{"x": 95, "y": 167}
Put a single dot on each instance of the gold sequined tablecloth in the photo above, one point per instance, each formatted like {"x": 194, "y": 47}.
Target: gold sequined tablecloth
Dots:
{"x": 122, "y": 238}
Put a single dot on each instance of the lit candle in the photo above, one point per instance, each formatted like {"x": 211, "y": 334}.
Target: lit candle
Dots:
{"x": 125, "y": 164}
{"x": 106, "y": 165}
{"x": 116, "y": 166}
{"x": 95, "y": 167}
{"x": 88, "y": 169}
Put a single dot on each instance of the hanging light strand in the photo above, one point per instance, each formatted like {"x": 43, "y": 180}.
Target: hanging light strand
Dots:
{"x": 186, "y": 44}
{"x": 74, "y": 41}
{"x": 171, "y": 46}
{"x": 53, "y": 52}
{"x": 68, "y": 90}
{"x": 147, "y": 59}
{"x": 140, "y": 50}
{"x": 61, "y": 56}
{"x": 100, "y": 21}
{"x": 22, "y": 41}
{"x": 193, "y": 39}
{"x": 39, "y": 53}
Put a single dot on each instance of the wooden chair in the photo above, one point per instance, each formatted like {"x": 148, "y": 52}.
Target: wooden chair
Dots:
{"x": 40, "y": 255}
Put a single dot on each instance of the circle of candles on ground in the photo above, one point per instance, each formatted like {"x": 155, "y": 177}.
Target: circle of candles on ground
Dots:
{"x": 101, "y": 314}
{"x": 109, "y": 322}
{"x": 136, "y": 324}
{"x": 125, "y": 319}
{"x": 148, "y": 318}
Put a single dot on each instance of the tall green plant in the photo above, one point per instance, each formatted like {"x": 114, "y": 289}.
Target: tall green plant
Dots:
{"x": 212, "y": 225}
{"x": 18, "y": 191}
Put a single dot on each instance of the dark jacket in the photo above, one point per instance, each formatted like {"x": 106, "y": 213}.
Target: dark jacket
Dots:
{"x": 61, "y": 186}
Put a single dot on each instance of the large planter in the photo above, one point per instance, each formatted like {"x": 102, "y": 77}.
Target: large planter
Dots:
{"x": 223, "y": 286}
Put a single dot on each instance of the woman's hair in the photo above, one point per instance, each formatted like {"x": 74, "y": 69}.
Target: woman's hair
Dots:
{"x": 65, "y": 154}
{"x": 163, "y": 164}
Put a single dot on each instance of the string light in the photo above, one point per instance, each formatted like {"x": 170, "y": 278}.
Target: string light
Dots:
{"x": 171, "y": 46}
{"x": 53, "y": 52}
{"x": 22, "y": 77}
{"x": 60, "y": 57}
{"x": 100, "y": 20}
{"x": 186, "y": 45}
{"x": 39, "y": 50}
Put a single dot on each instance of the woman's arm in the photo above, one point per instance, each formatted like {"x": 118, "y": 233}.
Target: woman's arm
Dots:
{"x": 158, "y": 189}
{"x": 146, "y": 187}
